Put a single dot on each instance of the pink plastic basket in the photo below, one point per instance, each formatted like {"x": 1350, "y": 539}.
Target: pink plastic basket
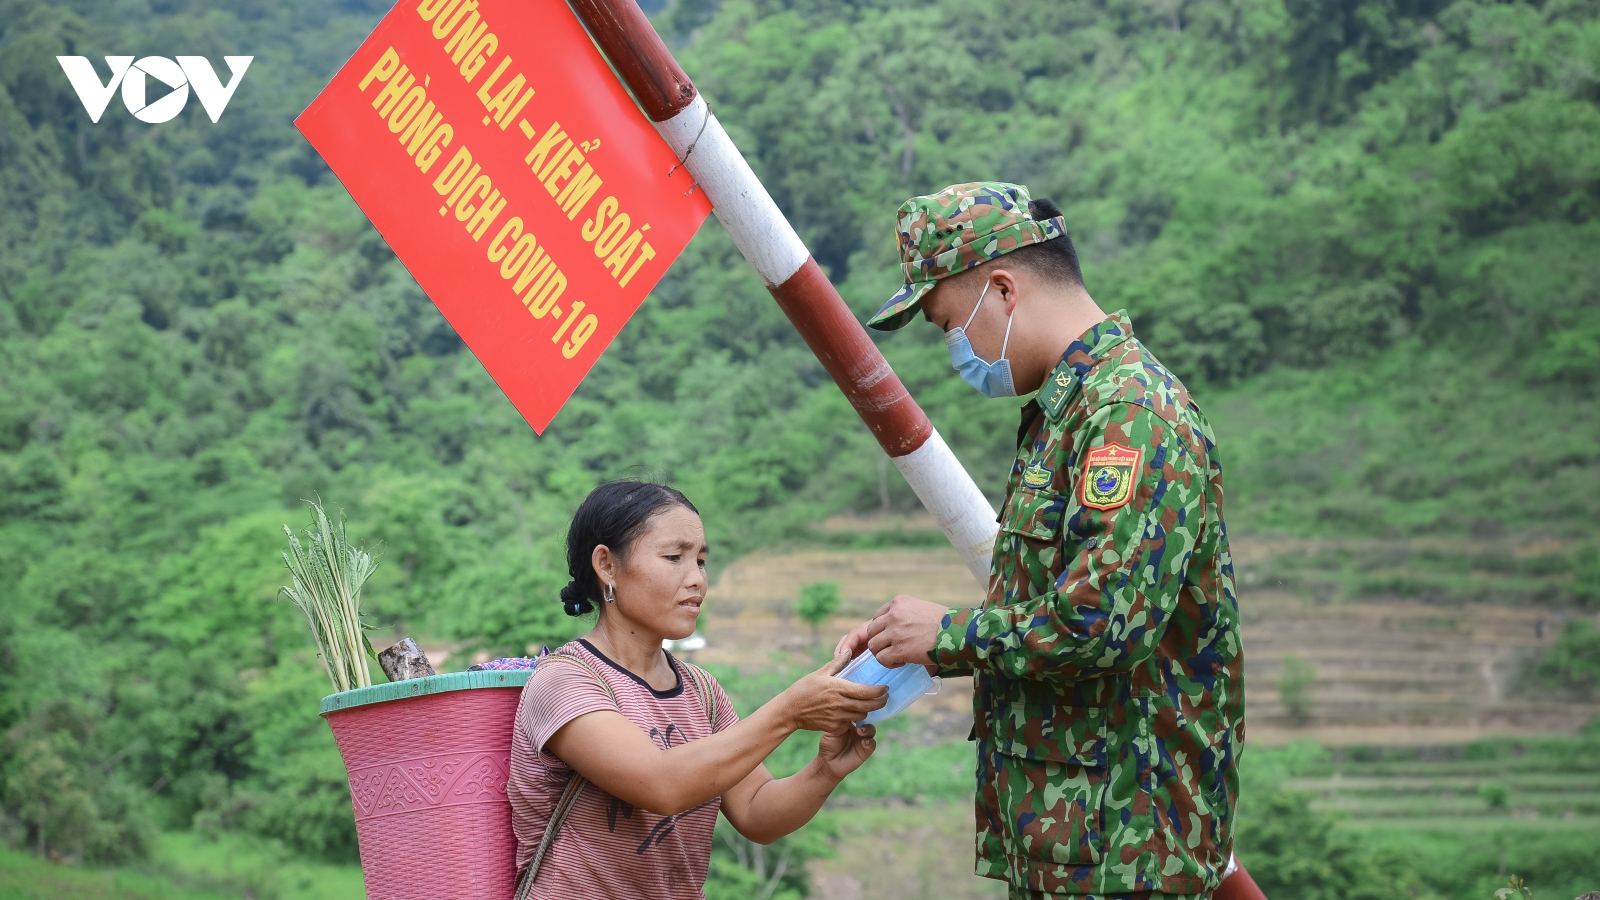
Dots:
{"x": 428, "y": 761}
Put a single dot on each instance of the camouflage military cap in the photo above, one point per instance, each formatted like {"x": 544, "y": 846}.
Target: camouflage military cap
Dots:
{"x": 962, "y": 226}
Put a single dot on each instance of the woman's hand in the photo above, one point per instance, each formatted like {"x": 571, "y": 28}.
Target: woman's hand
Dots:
{"x": 855, "y": 641}
{"x": 823, "y": 702}
{"x": 764, "y": 809}
{"x": 842, "y": 753}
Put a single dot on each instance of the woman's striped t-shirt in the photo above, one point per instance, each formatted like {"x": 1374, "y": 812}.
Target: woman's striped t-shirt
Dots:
{"x": 607, "y": 848}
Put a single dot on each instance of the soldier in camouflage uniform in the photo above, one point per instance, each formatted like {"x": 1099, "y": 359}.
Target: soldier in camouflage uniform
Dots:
{"x": 1108, "y": 689}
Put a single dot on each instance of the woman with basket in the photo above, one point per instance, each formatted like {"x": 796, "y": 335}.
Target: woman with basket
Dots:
{"x": 623, "y": 755}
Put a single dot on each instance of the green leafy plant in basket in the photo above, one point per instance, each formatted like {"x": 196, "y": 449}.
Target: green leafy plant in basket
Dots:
{"x": 328, "y": 574}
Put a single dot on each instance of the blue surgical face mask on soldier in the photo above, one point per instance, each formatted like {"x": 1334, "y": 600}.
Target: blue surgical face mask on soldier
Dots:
{"x": 991, "y": 379}
{"x": 906, "y": 683}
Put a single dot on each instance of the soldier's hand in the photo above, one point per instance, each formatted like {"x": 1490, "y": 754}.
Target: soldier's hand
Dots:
{"x": 904, "y": 630}
{"x": 856, "y": 640}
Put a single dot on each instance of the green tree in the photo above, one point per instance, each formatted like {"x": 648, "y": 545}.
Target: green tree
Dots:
{"x": 818, "y": 601}
{"x": 744, "y": 870}
{"x": 67, "y": 790}
{"x": 1295, "y": 680}
{"x": 1571, "y": 664}
{"x": 1495, "y": 795}
{"x": 1292, "y": 851}
{"x": 1586, "y": 575}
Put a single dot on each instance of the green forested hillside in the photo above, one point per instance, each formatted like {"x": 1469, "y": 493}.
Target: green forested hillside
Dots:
{"x": 1364, "y": 232}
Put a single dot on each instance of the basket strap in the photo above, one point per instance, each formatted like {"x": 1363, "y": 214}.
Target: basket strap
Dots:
{"x": 569, "y": 795}
{"x": 702, "y": 690}
{"x": 575, "y": 786}
{"x": 587, "y": 666}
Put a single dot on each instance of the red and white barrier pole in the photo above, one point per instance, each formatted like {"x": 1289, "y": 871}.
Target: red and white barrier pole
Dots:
{"x": 803, "y": 292}
{"x": 1237, "y": 884}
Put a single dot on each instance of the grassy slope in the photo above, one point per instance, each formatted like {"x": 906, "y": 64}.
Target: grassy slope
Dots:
{"x": 1462, "y": 814}
{"x": 24, "y": 876}
{"x": 1410, "y": 442}
{"x": 1424, "y": 804}
{"x": 246, "y": 861}
{"x": 186, "y": 867}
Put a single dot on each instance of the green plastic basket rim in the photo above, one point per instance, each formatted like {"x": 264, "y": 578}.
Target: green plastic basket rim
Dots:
{"x": 421, "y": 687}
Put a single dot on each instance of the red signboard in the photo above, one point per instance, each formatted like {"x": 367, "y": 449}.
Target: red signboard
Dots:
{"x": 514, "y": 177}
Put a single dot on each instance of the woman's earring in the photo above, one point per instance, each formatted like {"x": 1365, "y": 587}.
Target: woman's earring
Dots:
{"x": 611, "y": 593}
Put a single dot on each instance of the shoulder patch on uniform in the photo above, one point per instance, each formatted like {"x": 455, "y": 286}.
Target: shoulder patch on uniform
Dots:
{"x": 1057, "y": 388}
{"x": 1038, "y": 475}
{"x": 1109, "y": 475}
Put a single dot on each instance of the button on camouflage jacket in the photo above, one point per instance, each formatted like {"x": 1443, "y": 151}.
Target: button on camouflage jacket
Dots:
{"x": 1108, "y": 671}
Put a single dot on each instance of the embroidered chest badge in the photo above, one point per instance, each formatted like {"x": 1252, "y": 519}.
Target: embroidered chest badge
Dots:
{"x": 1109, "y": 474}
{"x": 1038, "y": 475}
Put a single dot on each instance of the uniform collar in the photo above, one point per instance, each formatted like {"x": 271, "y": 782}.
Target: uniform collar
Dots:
{"x": 1081, "y": 357}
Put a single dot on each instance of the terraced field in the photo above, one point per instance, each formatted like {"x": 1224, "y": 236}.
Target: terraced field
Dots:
{"x": 1385, "y": 671}
{"x": 1457, "y": 791}
{"x": 1433, "y": 744}
{"x": 1508, "y": 778}
{"x": 1474, "y": 812}
{"x": 1400, "y": 671}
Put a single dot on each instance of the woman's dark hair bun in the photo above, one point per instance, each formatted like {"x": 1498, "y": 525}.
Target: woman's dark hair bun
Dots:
{"x": 573, "y": 602}
{"x": 614, "y": 514}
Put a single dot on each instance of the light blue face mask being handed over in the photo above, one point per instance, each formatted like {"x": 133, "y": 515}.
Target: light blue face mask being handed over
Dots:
{"x": 906, "y": 684}
{"x": 992, "y": 379}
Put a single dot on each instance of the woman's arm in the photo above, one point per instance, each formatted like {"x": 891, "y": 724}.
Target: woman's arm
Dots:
{"x": 763, "y": 808}
{"x": 623, "y": 761}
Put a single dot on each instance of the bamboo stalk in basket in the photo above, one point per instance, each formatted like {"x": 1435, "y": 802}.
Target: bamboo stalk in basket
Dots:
{"x": 328, "y": 576}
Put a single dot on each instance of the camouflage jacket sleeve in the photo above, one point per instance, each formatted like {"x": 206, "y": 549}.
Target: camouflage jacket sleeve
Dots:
{"x": 1103, "y": 605}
